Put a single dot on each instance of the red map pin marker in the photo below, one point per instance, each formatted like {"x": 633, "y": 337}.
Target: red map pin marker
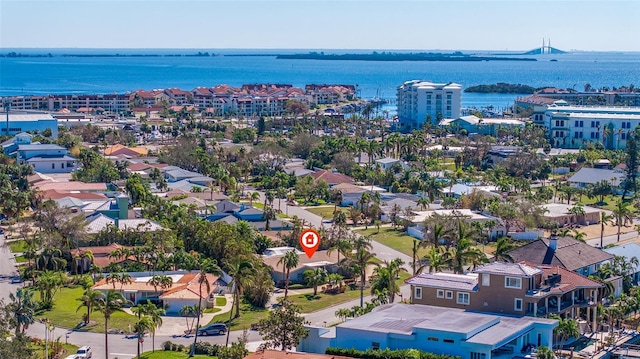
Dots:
{"x": 310, "y": 241}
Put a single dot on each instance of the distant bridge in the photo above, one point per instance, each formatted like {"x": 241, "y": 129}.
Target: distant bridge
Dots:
{"x": 546, "y": 49}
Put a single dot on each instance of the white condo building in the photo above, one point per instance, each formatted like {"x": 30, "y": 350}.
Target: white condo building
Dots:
{"x": 419, "y": 100}
{"x": 576, "y": 126}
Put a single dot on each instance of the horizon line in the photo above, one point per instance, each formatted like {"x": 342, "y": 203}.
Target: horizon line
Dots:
{"x": 300, "y": 49}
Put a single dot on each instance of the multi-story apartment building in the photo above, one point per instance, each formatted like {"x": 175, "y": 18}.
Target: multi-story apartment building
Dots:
{"x": 575, "y": 126}
{"x": 424, "y": 101}
{"x": 329, "y": 94}
{"x": 512, "y": 289}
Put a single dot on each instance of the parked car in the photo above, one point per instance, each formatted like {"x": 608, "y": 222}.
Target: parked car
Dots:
{"x": 84, "y": 352}
{"x": 213, "y": 328}
{"x": 16, "y": 280}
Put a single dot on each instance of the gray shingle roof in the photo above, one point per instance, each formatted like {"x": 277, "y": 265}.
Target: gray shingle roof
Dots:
{"x": 514, "y": 269}
{"x": 467, "y": 282}
{"x": 570, "y": 253}
{"x": 594, "y": 175}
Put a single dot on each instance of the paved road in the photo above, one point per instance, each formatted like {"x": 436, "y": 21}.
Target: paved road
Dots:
{"x": 7, "y": 270}
{"x": 613, "y": 239}
{"x": 383, "y": 252}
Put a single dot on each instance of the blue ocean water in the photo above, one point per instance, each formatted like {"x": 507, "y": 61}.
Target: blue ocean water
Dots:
{"x": 71, "y": 75}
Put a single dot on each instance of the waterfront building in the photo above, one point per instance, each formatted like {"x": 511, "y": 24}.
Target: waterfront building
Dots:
{"x": 438, "y": 330}
{"x": 576, "y": 126}
{"x": 424, "y": 101}
{"x": 27, "y": 122}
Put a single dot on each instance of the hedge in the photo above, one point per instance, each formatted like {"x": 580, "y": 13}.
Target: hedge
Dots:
{"x": 387, "y": 354}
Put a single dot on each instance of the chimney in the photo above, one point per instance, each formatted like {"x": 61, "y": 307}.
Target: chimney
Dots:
{"x": 553, "y": 241}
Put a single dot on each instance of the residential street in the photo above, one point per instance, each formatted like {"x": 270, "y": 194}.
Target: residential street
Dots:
{"x": 122, "y": 347}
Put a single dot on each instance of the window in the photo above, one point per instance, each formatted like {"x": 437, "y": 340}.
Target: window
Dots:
{"x": 475, "y": 355}
{"x": 440, "y": 293}
{"x": 579, "y": 124}
{"x": 517, "y": 304}
{"x": 449, "y": 294}
{"x": 512, "y": 282}
{"x": 53, "y": 166}
{"x": 417, "y": 293}
{"x": 595, "y": 135}
{"x": 595, "y": 124}
{"x": 623, "y": 136}
{"x": 486, "y": 279}
{"x": 375, "y": 345}
{"x": 448, "y": 340}
{"x": 559, "y": 123}
{"x": 578, "y": 135}
{"x": 432, "y": 339}
{"x": 463, "y": 298}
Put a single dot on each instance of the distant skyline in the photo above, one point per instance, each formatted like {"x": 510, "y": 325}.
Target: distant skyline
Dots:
{"x": 311, "y": 24}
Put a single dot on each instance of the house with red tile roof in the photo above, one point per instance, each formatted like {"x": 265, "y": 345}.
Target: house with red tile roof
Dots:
{"x": 185, "y": 289}
{"x": 332, "y": 178}
{"x": 119, "y": 149}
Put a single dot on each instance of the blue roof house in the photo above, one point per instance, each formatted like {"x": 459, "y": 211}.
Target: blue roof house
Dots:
{"x": 248, "y": 214}
{"x": 438, "y": 330}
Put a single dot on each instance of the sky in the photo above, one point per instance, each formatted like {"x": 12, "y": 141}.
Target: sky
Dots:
{"x": 331, "y": 24}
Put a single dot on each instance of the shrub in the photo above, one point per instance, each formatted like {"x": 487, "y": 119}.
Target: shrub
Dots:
{"x": 207, "y": 348}
{"x": 180, "y": 348}
{"x": 297, "y": 286}
{"x": 166, "y": 345}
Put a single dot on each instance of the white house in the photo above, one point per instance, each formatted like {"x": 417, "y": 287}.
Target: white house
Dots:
{"x": 46, "y": 158}
{"x": 417, "y": 230}
{"x": 438, "y": 330}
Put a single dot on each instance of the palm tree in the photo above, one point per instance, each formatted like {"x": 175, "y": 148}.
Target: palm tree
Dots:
{"x": 360, "y": 259}
{"x": 386, "y": 278}
{"x": 622, "y": 214}
{"x": 289, "y": 260}
{"x": 423, "y": 202}
{"x": 143, "y": 325}
{"x": 341, "y": 245}
{"x": 316, "y": 277}
{"x": 462, "y": 254}
{"x": 154, "y": 314}
{"x": 567, "y": 328}
{"x": 604, "y": 220}
{"x": 253, "y": 197}
{"x": 206, "y": 266}
{"x": 22, "y": 308}
{"x": 435, "y": 260}
{"x": 108, "y": 304}
{"x": 241, "y": 272}
{"x": 544, "y": 352}
{"x": 503, "y": 247}
{"x": 187, "y": 311}
{"x": 89, "y": 300}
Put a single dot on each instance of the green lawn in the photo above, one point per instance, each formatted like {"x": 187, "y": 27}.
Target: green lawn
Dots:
{"x": 162, "y": 354}
{"x": 64, "y": 313}
{"x": 324, "y": 212}
{"x": 39, "y": 349}
{"x": 20, "y": 259}
{"x": 18, "y": 246}
{"x": 248, "y": 315}
{"x": 212, "y": 310}
{"x": 308, "y": 303}
{"x": 221, "y": 301}
{"x": 609, "y": 202}
{"x": 394, "y": 239}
